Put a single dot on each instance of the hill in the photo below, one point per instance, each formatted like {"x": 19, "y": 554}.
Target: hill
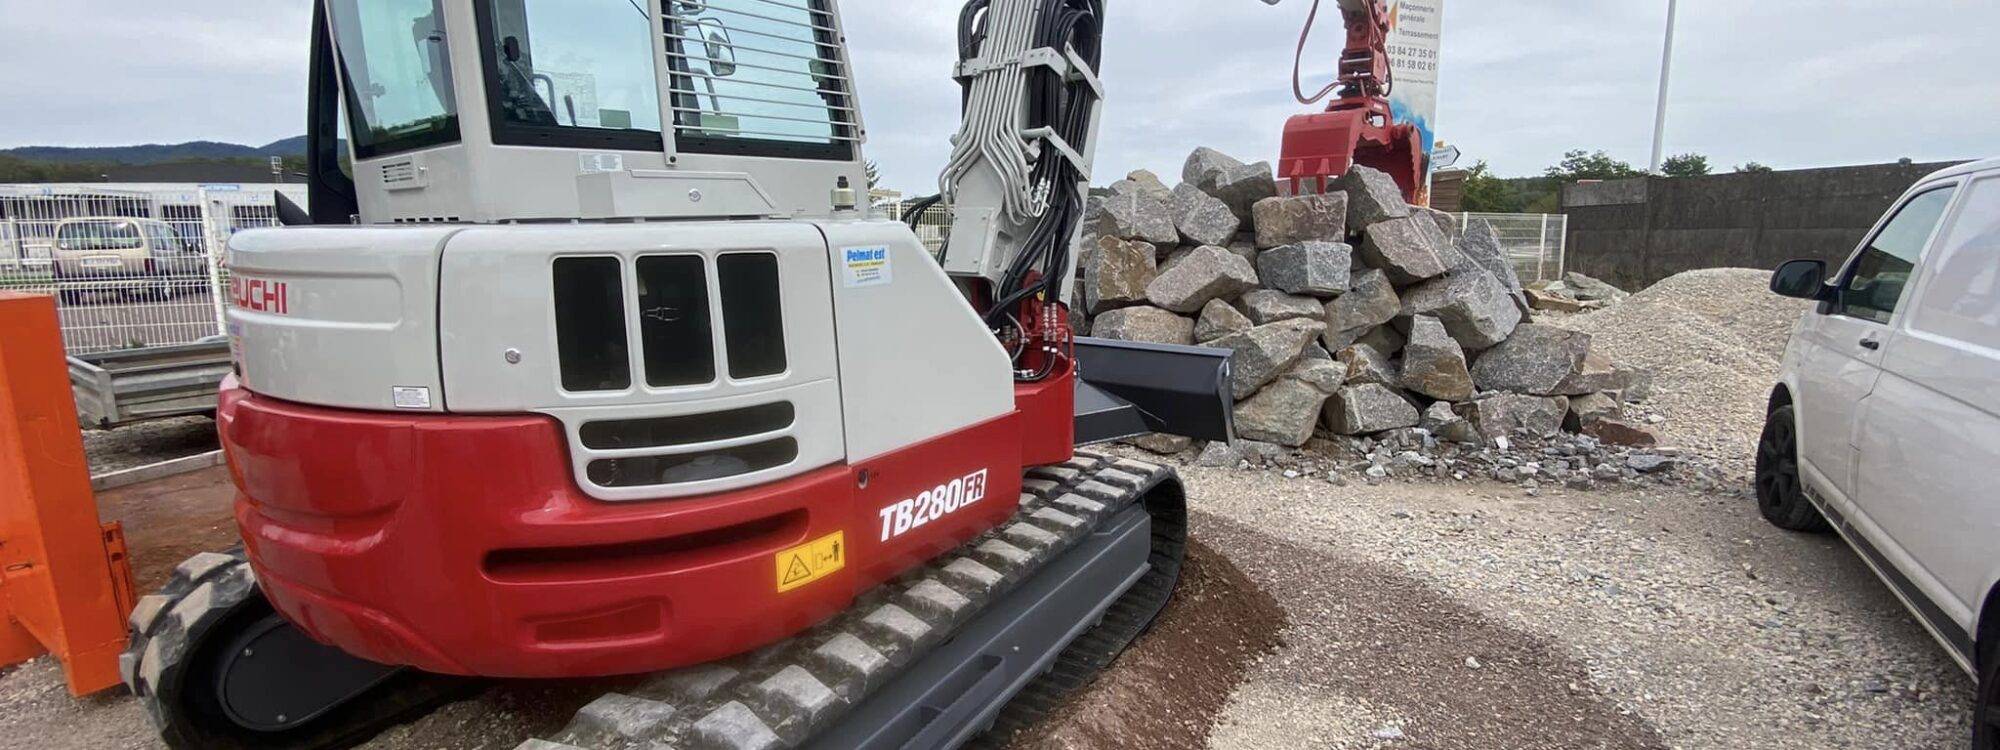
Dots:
{"x": 156, "y": 153}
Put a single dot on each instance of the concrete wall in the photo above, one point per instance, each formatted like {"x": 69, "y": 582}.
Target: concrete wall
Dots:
{"x": 1635, "y": 232}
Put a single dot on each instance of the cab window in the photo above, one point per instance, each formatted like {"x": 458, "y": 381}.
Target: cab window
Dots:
{"x": 397, "y": 71}
{"x": 1876, "y": 279}
{"x": 759, "y": 78}
{"x": 571, "y": 73}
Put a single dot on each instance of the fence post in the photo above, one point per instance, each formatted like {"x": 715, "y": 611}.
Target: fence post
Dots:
{"x": 1542, "y": 250}
{"x": 213, "y": 248}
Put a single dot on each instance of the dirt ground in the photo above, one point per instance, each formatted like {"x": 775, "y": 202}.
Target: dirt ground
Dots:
{"x": 1414, "y": 615}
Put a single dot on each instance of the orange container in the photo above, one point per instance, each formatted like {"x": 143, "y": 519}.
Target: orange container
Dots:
{"x": 65, "y": 584}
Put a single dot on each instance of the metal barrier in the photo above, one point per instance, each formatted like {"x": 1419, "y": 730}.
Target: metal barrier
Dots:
{"x": 131, "y": 267}
{"x": 1534, "y": 242}
{"x": 65, "y": 580}
{"x": 932, "y": 227}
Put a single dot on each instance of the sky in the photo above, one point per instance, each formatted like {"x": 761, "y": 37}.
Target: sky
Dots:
{"x": 1787, "y": 83}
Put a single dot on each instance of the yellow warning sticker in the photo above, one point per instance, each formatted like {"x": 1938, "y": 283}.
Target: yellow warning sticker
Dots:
{"x": 812, "y": 561}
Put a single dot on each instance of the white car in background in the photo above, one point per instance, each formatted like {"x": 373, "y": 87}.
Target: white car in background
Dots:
{"x": 1885, "y": 425}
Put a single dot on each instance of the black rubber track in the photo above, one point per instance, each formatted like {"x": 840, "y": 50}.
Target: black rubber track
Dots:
{"x": 171, "y": 659}
{"x": 1128, "y": 619}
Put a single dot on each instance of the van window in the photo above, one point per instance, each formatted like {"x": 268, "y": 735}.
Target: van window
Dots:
{"x": 1874, "y": 284}
{"x": 97, "y": 236}
{"x": 1962, "y": 300}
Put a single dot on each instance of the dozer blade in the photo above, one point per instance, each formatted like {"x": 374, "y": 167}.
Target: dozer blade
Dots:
{"x": 1130, "y": 388}
{"x": 988, "y": 636}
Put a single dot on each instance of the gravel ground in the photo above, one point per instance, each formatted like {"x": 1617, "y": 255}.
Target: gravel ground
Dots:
{"x": 1714, "y": 339}
{"x": 1684, "y": 611}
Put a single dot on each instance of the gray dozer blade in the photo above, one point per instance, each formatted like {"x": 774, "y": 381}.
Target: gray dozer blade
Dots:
{"x": 1130, "y": 388}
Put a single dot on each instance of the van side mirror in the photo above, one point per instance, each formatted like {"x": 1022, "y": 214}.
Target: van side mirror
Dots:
{"x": 1800, "y": 279}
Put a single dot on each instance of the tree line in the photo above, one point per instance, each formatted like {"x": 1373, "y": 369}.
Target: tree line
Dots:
{"x": 1485, "y": 192}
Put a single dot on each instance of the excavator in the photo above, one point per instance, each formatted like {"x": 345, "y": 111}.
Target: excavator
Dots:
{"x": 586, "y": 360}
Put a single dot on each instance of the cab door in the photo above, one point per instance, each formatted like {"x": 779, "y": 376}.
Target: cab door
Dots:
{"x": 1844, "y": 356}
{"x": 1930, "y": 432}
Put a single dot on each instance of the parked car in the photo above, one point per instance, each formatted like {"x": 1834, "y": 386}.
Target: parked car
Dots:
{"x": 139, "y": 257}
{"x": 1885, "y": 423}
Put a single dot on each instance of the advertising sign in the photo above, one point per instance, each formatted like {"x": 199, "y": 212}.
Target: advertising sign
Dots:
{"x": 1415, "y": 28}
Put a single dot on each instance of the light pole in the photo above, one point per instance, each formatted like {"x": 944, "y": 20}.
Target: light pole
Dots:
{"x": 1666, "y": 71}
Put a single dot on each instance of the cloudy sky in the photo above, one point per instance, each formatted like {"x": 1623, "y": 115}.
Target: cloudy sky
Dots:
{"x": 1790, "y": 83}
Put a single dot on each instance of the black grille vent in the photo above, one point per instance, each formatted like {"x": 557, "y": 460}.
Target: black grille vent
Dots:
{"x": 632, "y": 434}
{"x": 723, "y": 463}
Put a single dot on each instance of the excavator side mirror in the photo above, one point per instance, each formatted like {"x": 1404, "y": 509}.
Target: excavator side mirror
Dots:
{"x": 719, "y": 47}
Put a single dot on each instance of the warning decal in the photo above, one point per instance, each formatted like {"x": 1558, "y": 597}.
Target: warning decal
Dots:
{"x": 812, "y": 561}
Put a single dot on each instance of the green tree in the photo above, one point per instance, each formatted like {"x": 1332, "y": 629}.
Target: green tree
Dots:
{"x": 1752, "y": 168}
{"x": 1590, "y": 165}
{"x": 1685, "y": 165}
{"x": 1485, "y": 193}
{"x": 874, "y": 175}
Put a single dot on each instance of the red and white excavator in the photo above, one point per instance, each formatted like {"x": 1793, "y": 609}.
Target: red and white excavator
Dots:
{"x": 587, "y": 361}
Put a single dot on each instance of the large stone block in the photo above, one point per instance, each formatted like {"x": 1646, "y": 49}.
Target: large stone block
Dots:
{"x": 1446, "y": 424}
{"x": 1372, "y": 196}
{"x": 1283, "y": 412}
{"x": 1117, "y": 274}
{"x": 1236, "y": 183}
{"x": 1536, "y": 359}
{"x": 1318, "y": 369}
{"x": 1370, "y": 301}
{"x": 1207, "y": 273}
{"x": 1319, "y": 269}
{"x": 1366, "y": 364}
{"x": 1270, "y": 306}
{"x": 1263, "y": 353}
{"x": 1407, "y": 249}
{"x": 1305, "y": 218}
{"x": 1368, "y": 409}
{"x": 1143, "y": 323}
{"x": 1595, "y": 375}
{"x": 1203, "y": 219}
{"x": 1133, "y": 211}
{"x": 1474, "y": 308}
{"x": 1219, "y": 319}
{"x": 1509, "y": 414}
{"x": 1481, "y": 246}
{"x": 1434, "y": 363}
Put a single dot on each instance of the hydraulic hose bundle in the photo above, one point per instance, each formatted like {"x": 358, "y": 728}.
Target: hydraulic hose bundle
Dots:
{"x": 1041, "y": 184}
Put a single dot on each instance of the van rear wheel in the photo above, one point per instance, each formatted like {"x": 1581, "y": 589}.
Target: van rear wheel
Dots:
{"x": 1780, "y": 496}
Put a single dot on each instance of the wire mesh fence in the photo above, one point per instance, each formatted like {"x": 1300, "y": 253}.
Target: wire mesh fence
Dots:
{"x": 1535, "y": 243}
{"x": 130, "y": 267}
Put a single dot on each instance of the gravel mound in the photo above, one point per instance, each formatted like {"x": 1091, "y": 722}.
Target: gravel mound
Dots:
{"x": 1714, "y": 339}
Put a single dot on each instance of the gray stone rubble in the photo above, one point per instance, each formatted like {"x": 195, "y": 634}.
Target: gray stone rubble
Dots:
{"x": 1351, "y": 315}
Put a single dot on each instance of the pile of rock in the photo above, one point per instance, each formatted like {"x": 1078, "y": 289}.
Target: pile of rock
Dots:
{"x": 1572, "y": 293}
{"x": 1350, "y": 312}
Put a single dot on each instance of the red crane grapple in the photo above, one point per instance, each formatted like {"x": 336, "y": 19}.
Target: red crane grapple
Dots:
{"x": 1358, "y": 127}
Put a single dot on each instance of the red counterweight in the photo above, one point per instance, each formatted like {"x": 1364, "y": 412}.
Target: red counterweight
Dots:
{"x": 1358, "y": 126}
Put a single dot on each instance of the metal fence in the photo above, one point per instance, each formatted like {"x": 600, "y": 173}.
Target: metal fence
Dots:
{"x": 130, "y": 266}
{"x": 1536, "y": 243}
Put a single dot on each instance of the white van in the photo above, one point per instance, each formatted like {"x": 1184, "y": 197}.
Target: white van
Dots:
{"x": 1885, "y": 425}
